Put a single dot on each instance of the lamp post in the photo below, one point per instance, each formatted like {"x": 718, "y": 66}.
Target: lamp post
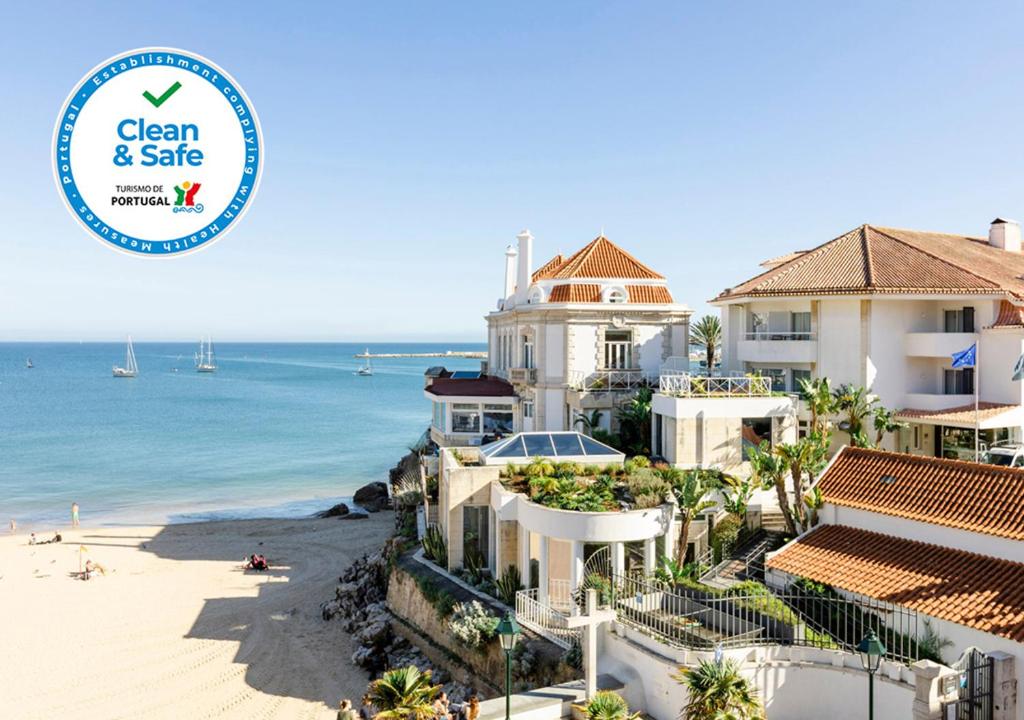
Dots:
{"x": 871, "y": 651}
{"x": 508, "y": 633}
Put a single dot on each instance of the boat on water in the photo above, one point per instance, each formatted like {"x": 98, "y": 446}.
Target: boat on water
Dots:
{"x": 205, "y": 362}
{"x": 366, "y": 369}
{"x": 131, "y": 368}
{"x": 28, "y": 363}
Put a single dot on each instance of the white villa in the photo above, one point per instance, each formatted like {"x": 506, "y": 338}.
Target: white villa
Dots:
{"x": 578, "y": 334}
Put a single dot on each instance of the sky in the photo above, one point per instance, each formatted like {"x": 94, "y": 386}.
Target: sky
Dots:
{"x": 407, "y": 143}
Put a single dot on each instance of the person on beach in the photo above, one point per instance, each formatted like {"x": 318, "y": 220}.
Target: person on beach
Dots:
{"x": 366, "y": 711}
{"x": 74, "y": 515}
{"x": 472, "y": 709}
{"x": 346, "y": 711}
{"x": 32, "y": 539}
{"x": 14, "y": 526}
{"x": 441, "y": 709}
{"x": 92, "y": 568}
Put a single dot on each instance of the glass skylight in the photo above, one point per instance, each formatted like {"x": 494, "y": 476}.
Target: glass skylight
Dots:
{"x": 565, "y": 446}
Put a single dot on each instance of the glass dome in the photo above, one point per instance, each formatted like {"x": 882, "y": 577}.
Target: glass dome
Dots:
{"x": 521, "y": 448}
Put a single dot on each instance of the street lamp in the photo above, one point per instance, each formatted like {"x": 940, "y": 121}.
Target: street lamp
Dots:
{"x": 508, "y": 633}
{"x": 871, "y": 651}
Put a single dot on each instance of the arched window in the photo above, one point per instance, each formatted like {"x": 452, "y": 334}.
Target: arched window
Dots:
{"x": 536, "y": 296}
{"x": 615, "y": 295}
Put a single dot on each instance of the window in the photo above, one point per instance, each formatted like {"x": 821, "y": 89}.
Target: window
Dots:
{"x": 439, "y": 416}
{"x": 776, "y": 375}
{"x": 527, "y": 352}
{"x": 798, "y": 376}
{"x": 536, "y": 297}
{"x": 475, "y": 534}
{"x": 755, "y": 431}
{"x": 618, "y": 349}
{"x": 802, "y": 326}
{"x": 959, "y": 320}
{"x": 615, "y": 295}
{"x": 958, "y": 382}
{"x": 498, "y": 419}
{"x": 465, "y": 418}
{"x": 527, "y": 408}
{"x": 757, "y": 324}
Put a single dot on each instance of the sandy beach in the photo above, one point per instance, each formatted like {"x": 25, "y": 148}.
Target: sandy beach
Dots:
{"x": 177, "y": 629}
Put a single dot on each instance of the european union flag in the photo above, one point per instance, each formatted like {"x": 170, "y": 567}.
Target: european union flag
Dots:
{"x": 966, "y": 358}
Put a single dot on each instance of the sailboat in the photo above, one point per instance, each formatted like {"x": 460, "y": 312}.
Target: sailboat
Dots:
{"x": 28, "y": 363}
{"x": 366, "y": 369}
{"x": 131, "y": 368}
{"x": 204, "y": 358}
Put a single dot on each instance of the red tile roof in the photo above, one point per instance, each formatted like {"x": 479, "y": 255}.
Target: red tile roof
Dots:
{"x": 548, "y": 267}
{"x": 961, "y": 414}
{"x": 978, "y": 591}
{"x": 486, "y": 386}
{"x": 652, "y": 294}
{"x": 965, "y": 495}
{"x": 591, "y": 293}
{"x": 1010, "y": 315}
{"x": 599, "y": 259}
{"x": 884, "y": 260}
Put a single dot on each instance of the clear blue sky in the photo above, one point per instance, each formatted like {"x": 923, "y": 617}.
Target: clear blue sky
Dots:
{"x": 418, "y": 138}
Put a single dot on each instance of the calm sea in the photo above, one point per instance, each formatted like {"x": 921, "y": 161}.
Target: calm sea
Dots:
{"x": 281, "y": 430}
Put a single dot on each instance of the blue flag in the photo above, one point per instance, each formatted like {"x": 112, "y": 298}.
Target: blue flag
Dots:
{"x": 966, "y": 358}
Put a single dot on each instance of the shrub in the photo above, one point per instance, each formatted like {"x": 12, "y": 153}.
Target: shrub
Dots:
{"x": 509, "y": 584}
{"x": 441, "y": 600}
{"x": 640, "y": 461}
{"x": 524, "y": 661}
{"x": 591, "y": 470}
{"x": 608, "y": 705}
{"x": 472, "y": 625}
{"x": 473, "y": 560}
{"x": 647, "y": 482}
{"x": 539, "y": 467}
{"x": 435, "y": 547}
{"x": 724, "y": 534}
{"x": 573, "y": 657}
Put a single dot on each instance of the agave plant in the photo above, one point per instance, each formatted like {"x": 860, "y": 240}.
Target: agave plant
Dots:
{"x": 718, "y": 691}
{"x": 403, "y": 694}
{"x": 608, "y": 705}
{"x": 435, "y": 547}
{"x": 510, "y": 582}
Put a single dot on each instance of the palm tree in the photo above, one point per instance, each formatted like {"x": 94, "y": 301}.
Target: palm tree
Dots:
{"x": 857, "y": 402}
{"x": 718, "y": 691}
{"x": 403, "y": 694}
{"x": 708, "y": 332}
{"x": 885, "y": 422}
{"x": 590, "y": 422}
{"x": 817, "y": 395}
{"x": 690, "y": 491}
{"x": 635, "y": 424}
{"x": 769, "y": 469}
{"x": 805, "y": 459}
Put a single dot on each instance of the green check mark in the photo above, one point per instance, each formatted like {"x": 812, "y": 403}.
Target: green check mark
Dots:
{"x": 158, "y": 101}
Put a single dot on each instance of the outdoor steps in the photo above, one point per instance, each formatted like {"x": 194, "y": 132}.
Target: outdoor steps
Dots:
{"x": 773, "y": 521}
{"x": 548, "y": 703}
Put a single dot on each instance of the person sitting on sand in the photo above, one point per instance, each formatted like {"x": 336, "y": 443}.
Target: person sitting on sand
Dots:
{"x": 366, "y": 711}
{"x": 472, "y": 708}
{"x": 257, "y": 562}
{"x": 346, "y": 711}
{"x": 93, "y": 567}
{"x": 441, "y": 709}
{"x": 32, "y": 539}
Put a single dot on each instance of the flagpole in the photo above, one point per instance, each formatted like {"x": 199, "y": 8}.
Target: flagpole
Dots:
{"x": 977, "y": 384}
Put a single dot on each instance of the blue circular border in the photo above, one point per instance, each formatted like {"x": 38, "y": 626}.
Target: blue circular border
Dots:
{"x": 76, "y": 103}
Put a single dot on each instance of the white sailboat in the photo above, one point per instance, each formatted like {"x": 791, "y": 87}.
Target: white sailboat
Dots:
{"x": 366, "y": 369}
{"x": 204, "y": 358}
{"x": 131, "y": 368}
{"x": 28, "y": 363}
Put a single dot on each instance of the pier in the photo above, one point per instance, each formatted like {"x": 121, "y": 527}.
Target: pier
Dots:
{"x": 472, "y": 354}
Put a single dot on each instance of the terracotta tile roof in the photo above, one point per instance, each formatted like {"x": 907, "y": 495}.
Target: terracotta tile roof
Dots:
{"x": 486, "y": 386}
{"x": 883, "y": 260}
{"x": 978, "y": 591}
{"x": 601, "y": 258}
{"x": 961, "y": 414}
{"x": 1009, "y": 315}
{"x": 965, "y": 495}
{"x": 588, "y": 293}
{"x": 652, "y": 294}
{"x": 776, "y": 261}
{"x": 548, "y": 267}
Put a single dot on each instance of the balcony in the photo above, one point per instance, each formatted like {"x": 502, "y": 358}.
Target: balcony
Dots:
{"x": 686, "y": 385}
{"x": 936, "y": 401}
{"x": 522, "y": 376}
{"x": 785, "y": 347}
{"x": 937, "y": 344}
{"x": 611, "y": 380}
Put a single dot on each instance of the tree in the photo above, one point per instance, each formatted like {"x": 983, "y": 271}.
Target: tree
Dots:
{"x": 690, "y": 491}
{"x": 590, "y": 422}
{"x": 817, "y": 395}
{"x": 735, "y": 501}
{"x": 708, "y": 332}
{"x": 718, "y": 691}
{"x": 857, "y": 402}
{"x": 635, "y": 424}
{"x": 403, "y": 694}
{"x": 885, "y": 422}
{"x": 805, "y": 459}
{"x": 769, "y": 469}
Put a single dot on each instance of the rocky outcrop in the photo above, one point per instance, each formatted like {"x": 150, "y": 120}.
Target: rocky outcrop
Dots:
{"x": 373, "y": 497}
{"x": 339, "y": 510}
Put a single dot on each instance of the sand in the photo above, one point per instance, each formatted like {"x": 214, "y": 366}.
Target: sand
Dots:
{"x": 177, "y": 629}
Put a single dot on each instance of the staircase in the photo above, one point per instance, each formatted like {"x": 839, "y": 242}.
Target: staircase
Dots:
{"x": 772, "y": 520}
{"x": 743, "y": 562}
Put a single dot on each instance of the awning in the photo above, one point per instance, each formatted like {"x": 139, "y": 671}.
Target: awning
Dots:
{"x": 990, "y": 415}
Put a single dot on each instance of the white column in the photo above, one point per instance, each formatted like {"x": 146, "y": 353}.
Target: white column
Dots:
{"x": 618, "y": 558}
{"x": 524, "y": 555}
{"x": 542, "y": 577}
{"x": 650, "y": 555}
{"x": 575, "y": 565}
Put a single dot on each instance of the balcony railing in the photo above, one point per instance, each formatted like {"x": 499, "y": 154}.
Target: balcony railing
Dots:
{"x": 611, "y": 380}
{"x": 544, "y": 620}
{"x": 773, "y": 335}
{"x": 686, "y": 385}
{"x": 522, "y": 375}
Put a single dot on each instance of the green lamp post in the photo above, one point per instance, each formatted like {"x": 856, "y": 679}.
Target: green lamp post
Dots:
{"x": 508, "y": 633}
{"x": 871, "y": 651}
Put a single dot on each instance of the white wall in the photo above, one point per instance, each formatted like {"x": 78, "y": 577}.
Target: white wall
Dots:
{"x": 583, "y": 346}
{"x": 839, "y": 341}
{"x": 998, "y": 352}
{"x": 649, "y": 345}
{"x": 554, "y": 353}
{"x": 887, "y": 358}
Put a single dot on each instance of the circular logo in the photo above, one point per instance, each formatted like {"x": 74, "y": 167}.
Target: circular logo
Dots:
{"x": 157, "y": 152}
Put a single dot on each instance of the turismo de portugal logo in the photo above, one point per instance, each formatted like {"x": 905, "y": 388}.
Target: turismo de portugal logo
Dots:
{"x": 157, "y": 152}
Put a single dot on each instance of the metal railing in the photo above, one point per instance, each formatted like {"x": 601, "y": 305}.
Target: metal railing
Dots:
{"x": 522, "y": 375}
{"x": 560, "y": 596}
{"x": 687, "y": 385}
{"x": 611, "y": 380}
{"x": 699, "y": 620}
{"x": 544, "y": 620}
{"x": 773, "y": 335}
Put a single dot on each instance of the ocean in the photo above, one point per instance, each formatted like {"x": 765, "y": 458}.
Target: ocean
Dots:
{"x": 280, "y": 430}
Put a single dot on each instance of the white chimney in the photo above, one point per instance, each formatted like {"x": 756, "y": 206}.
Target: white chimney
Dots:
{"x": 525, "y": 266}
{"x": 510, "y": 273}
{"x": 1004, "y": 234}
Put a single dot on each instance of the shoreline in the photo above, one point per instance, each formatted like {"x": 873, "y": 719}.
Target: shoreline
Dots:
{"x": 176, "y": 628}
